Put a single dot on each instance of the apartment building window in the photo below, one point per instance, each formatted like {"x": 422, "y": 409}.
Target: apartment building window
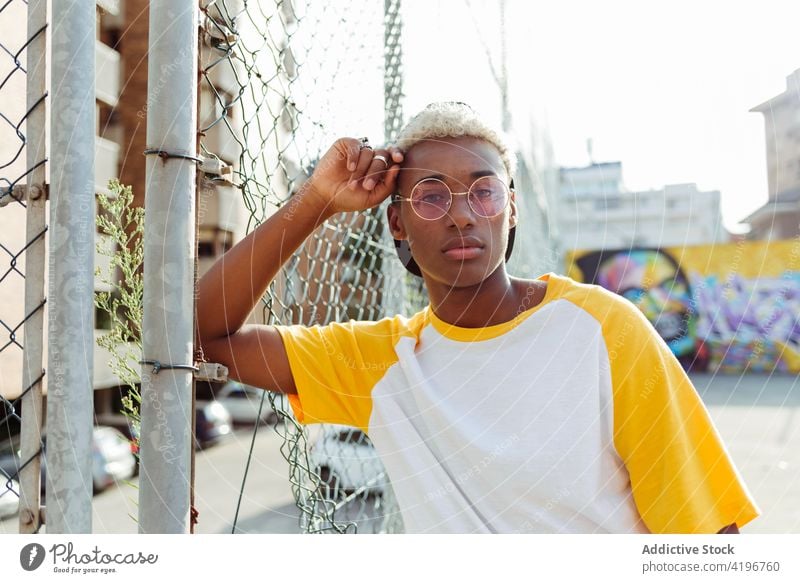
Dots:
{"x": 205, "y": 249}
{"x": 226, "y": 241}
{"x": 608, "y": 203}
{"x": 215, "y": 243}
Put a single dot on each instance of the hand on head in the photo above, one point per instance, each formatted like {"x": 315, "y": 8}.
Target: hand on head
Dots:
{"x": 353, "y": 176}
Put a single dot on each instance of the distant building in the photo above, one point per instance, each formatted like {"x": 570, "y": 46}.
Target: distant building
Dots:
{"x": 596, "y": 179}
{"x": 779, "y": 218}
{"x": 108, "y": 148}
{"x": 596, "y": 212}
{"x": 121, "y": 105}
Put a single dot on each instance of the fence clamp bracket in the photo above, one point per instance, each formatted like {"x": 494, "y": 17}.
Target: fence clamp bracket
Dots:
{"x": 21, "y": 192}
{"x": 217, "y": 169}
{"x": 158, "y": 366}
{"x": 215, "y": 33}
{"x": 211, "y": 371}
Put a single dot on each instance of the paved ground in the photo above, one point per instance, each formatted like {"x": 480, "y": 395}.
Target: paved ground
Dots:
{"x": 758, "y": 417}
{"x": 267, "y": 504}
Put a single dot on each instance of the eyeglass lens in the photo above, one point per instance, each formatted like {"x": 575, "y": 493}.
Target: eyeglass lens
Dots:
{"x": 432, "y": 198}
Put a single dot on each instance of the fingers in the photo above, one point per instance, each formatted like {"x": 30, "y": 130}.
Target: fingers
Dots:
{"x": 396, "y": 153}
{"x": 388, "y": 180}
{"x": 372, "y": 170}
{"x": 379, "y": 167}
{"x": 385, "y": 187}
{"x": 353, "y": 154}
{"x": 363, "y": 163}
{"x": 356, "y": 155}
{"x": 375, "y": 174}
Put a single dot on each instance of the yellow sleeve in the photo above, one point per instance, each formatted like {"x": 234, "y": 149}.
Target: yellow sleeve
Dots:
{"x": 682, "y": 477}
{"x": 335, "y": 368}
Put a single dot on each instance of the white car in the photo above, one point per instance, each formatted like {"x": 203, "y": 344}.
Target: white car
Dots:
{"x": 243, "y": 402}
{"x": 346, "y": 462}
{"x": 9, "y": 497}
{"x": 113, "y": 460}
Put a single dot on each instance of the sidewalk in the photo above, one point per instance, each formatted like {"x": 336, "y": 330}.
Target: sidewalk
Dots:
{"x": 759, "y": 419}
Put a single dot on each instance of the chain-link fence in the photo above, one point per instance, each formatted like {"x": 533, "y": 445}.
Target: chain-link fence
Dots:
{"x": 22, "y": 204}
{"x": 280, "y": 82}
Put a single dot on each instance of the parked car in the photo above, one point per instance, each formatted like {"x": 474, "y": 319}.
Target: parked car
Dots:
{"x": 212, "y": 423}
{"x": 112, "y": 460}
{"x": 125, "y": 426}
{"x": 9, "y": 497}
{"x": 9, "y": 460}
{"x": 244, "y": 401}
{"x": 346, "y": 462}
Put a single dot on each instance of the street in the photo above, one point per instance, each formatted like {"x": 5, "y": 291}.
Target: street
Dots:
{"x": 267, "y": 504}
{"x": 758, "y": 417}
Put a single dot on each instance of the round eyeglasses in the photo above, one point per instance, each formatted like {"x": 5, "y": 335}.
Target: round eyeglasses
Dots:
{"x": 431, "y": 198}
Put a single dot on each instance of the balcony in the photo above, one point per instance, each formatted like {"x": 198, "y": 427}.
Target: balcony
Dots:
{"x": 219, "y": 206}
{"x": 107, "y": 74}
{"x": 102, "y": 262}
{"x": 106, "y": 163}
{"x": 221, "y": 142}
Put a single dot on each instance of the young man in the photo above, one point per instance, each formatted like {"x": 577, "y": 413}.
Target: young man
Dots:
{"x": 506, "y": 405}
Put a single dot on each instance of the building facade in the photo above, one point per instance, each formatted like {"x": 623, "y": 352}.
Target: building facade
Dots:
{"x": 779, "y": 218}
{"x": 108, "y": 148}
{"x": 596, "y": 212}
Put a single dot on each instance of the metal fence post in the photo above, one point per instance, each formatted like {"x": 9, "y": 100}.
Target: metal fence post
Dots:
{"x": 167, "y": 335}
{"x": 30, "y": 430}
{"x": 71, "y": 293}
{"x": 394, "y": 292}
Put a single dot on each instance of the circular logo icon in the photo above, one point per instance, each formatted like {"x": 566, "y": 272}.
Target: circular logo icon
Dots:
{"x": 31, "y": 556}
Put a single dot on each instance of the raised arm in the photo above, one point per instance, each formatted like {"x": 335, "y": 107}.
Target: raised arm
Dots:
{"x": 230, "y": 290}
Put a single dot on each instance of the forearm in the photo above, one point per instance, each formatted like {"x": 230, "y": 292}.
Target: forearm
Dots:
{"x": 229, "y": 291}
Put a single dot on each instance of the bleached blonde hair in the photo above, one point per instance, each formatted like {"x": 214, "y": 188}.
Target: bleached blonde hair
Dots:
{"x": 454, "y": 119}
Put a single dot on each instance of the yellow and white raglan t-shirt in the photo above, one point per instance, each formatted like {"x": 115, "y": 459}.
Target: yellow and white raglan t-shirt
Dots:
{"x": 574, "y": 417}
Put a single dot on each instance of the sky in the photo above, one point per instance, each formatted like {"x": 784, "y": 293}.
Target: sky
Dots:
{"x": 665, "y": 88}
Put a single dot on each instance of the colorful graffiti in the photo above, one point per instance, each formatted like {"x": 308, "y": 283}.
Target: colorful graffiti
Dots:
{"x": 727, "y": 308}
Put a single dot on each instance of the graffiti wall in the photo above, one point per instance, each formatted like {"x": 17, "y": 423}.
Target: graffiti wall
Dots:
{"x": 729, "y": 308}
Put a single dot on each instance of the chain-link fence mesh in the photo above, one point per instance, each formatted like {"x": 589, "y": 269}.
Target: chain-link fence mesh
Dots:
{"x": 280, "y": 82}
{"x": 21, "y": 259}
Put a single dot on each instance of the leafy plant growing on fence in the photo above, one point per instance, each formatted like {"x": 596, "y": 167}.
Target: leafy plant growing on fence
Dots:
{"x": 123, "y": 224}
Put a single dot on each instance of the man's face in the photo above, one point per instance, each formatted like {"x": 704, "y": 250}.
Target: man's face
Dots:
{"x": 461, "y": 248}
